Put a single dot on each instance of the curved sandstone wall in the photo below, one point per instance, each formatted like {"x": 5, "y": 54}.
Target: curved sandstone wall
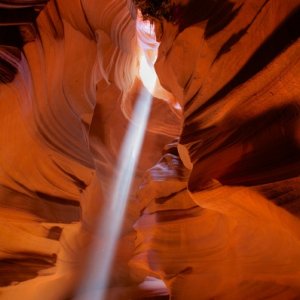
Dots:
{"x": 214, "y": 208}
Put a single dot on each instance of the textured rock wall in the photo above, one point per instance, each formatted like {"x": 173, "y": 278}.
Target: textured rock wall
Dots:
{"x": 67, "y": 72}
{"x": 229, "y": 229}
{"x": 216, "y": 215}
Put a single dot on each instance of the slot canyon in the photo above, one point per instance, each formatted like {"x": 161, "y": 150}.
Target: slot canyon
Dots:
{"x": 149, "y": 150}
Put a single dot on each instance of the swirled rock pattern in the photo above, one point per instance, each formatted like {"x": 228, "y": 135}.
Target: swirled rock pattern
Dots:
{"x": 234, "y": 68}
{"x": 66, "y": 68}
{"x": 214, "y": 208}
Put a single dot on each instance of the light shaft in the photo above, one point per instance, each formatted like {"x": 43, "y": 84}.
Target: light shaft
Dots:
{"x": 102, "y": 254}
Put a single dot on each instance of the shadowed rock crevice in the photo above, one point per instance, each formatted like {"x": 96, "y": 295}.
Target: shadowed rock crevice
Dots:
{"x": 214, "y": 208}
{"x": 23, "y": 267}
{"x": 285, "y": 35}
{"x": 273, "y": 153}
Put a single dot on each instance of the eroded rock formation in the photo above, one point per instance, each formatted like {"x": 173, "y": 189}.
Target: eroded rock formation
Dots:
{"x": 214, "y": 208}
{"x": 235, "y": 71}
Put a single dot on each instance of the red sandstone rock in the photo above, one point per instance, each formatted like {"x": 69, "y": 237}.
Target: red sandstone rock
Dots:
{"x": 214, "y": 208}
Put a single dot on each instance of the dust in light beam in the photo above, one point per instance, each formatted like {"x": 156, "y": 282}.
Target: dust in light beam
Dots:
{"x": 98, "y": 271}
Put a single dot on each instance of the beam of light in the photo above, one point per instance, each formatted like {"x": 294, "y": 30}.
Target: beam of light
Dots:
{"x": 147, "y": 74}
{"x": 102, "y": 254}
{"x": 98, "y": 270}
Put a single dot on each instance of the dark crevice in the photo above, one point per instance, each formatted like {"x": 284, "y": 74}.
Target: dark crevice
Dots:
{"x": 197, "y": 11}
{"x": 54, "y": 199}
{"x": 77, "y": 181}
{"x": 7, "y": 71}
{"x": 285, "y": 195}
{"x": 274, "y": 153}
{"x": 237, "y": 36}
{"x": 178, "y": 214}
{"x": 162, "y": 200}
{"x": 10, "y": 36}
{"x": 22, "y": 3}
{"x": 45, "y": 211}
{"x": 16, "y": 28}
{"x": 189, "y": 103}
{"x": 55, "y": 233}
{"x": 17, "y": 16}
{"x": 192, "y": 131}
{"x": 24, "y": 266}
{"x": 221, "y": 18}
{"x": 285, "y": 35}
{"x": 234, "y": 39}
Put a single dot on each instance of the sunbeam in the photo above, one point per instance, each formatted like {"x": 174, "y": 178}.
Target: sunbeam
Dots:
{"x": 94, "y": 284}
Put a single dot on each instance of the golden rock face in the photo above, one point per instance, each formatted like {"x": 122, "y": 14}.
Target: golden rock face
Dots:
{"x": 214, "y": 207}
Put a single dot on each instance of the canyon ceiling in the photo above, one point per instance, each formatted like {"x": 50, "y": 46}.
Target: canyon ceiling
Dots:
{"x": 214, "y": 207}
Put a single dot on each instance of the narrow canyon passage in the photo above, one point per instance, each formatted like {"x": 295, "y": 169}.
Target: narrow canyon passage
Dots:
{"x": 149, "y": 149}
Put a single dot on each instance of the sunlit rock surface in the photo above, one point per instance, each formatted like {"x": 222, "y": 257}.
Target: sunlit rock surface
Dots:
{"x": 214, "y": 209}
{"x": 234, "y": 67}
{"x": 62, "y": 125}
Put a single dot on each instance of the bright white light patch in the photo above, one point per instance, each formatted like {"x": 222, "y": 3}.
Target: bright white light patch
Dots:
{"x": 148, "y": 75}
{"x": 101, "y": 257}
{"x": 149, "y": 46}
{"x": 99, "y": 269}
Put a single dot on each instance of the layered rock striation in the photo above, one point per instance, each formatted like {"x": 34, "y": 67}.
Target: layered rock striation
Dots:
{"x": 214, "y": 207}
